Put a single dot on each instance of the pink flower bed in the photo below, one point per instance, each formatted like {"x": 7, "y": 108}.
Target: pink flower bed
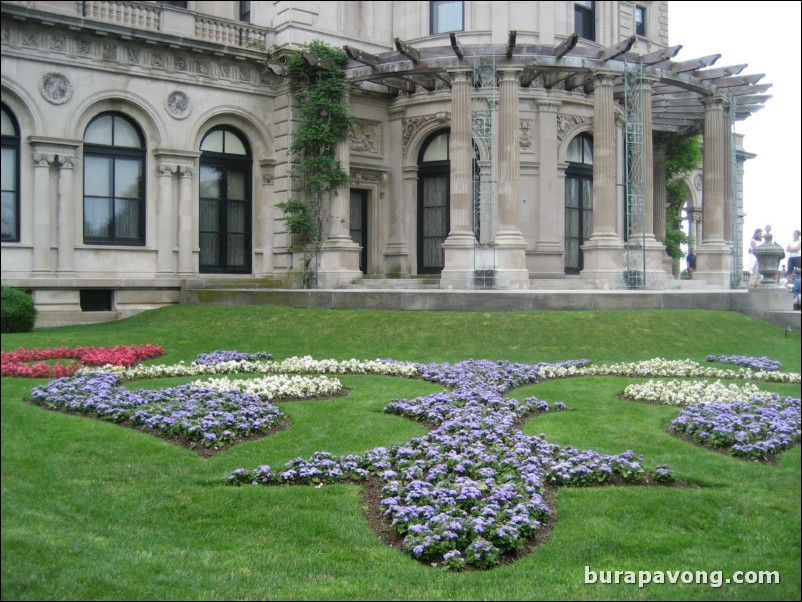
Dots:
{"x": 19, "y": 362}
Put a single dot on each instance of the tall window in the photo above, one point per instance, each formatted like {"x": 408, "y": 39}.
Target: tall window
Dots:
{"x": 447, "y": 16}
{"x": 585, "y": 20}
{"x": 245, "y": 12}
{"x": 434, "y": 174}
{"x": 578, "y": 201}
{"x": 10, "y": 177}
{"x": 225, "y": 203}
{"x": 114, "y": 181}
{"x": 640, "y": 20}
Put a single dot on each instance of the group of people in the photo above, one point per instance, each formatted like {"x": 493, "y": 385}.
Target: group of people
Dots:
{"x": 787, "y": 276}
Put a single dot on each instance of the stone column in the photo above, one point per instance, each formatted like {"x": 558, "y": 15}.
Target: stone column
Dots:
{"x": 66, "y": 215}
{"x": 186, "y": 221}
{"x": 603, "y": 251}
{"x": 727, "y": 168}
{"x": 339, "y": 255}
{"x": 396, "y": 252}
{"x": 41, "y": 213}
{"x": 460, "y": 244}
{"x": 713, "y": 259}
{"x": 165, "y": 227}
{"x": 661, "y": 205}
{"x": 550, "y": 194}
{"x": 511, "y": 269}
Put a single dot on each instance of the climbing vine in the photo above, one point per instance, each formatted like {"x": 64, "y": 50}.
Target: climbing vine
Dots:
{"x": 317, "y": 81}
{"x": 682, "y": 157}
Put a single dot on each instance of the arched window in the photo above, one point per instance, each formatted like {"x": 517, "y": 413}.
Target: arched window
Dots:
{"x": 225, "y": 202}
{"x": 434, "y": 173}
{"x": 10, "y": 176}
{"x": 114, "y": 181}
{"x": 578, "y": 201}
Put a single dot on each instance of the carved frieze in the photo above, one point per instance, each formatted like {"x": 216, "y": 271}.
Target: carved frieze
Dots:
{"x": 365, "y": 137}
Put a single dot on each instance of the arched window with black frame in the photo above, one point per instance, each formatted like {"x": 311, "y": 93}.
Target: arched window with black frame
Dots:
{"x": 578, "y": 201}
{"x": 10, "y": 176}
{"x": 225, "y": 202}
{"x": 114, "y": 181}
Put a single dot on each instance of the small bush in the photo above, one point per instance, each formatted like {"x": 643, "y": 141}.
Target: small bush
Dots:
{"x": 18, "y": 311}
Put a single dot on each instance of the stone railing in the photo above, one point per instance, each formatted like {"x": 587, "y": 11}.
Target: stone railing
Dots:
{"x": 231, "y": 33}
{"x": 138, "y": 15}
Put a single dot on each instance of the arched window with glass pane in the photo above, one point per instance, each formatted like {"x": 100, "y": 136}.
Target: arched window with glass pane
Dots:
{"x": 114, "y": 181}
{"x": 578, "y": 201}
{"x": 10, "y": 176}
{"x": 434, "y": 173}
{"x": 225, "y": 203}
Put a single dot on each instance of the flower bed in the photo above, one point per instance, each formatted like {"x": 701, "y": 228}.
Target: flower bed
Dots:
{"x": 691, "y": 392}
{"x": 18, "y": 363}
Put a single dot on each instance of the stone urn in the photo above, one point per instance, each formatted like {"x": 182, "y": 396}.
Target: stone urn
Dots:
{"x": 768, "y": 258}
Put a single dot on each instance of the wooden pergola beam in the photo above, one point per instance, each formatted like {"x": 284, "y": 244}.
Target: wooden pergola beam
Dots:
{"x": 617, "y": 50}
{"x": 457, "y": 46}
{"x": 695, "y": 64}
{"x": 719, "y": 72}
{"x": 566, "y": 46}
{"x": 361, "y": 56}
{"x": 511, "y": 43}
{"x": 407, "y": 50}
{"x": 658, "y": 56}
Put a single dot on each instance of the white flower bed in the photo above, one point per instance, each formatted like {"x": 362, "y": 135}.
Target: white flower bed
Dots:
{"x": 661, "y": 368}
{"x": 278, "y": 386}
{"x": 295, "y": 365}
{"x": 690, "y": 392}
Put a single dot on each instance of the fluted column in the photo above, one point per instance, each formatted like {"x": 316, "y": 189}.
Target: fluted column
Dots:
{"x": 727, "y": 173}
{"x": 604, "y": 204}
{"x": 660, "y": 198}
{"x": 66, "y": 219}
{"x": 41, "y": 213}
{"x": 603, "y": 252}
{"x": 186, "y": 221}
{"x": 511, "y": 269}
{"x": 459, "y": 246}
{"x": 647, "y": 158}
{"x": 396, "y": 252}
{"x": 461, "y": 155}
{"x": 165, "y": 227}
{"x": 339, "y": 255}
{"x": 713, "y": 259}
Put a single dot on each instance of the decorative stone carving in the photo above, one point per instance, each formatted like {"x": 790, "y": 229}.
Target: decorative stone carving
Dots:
{"x": 55, "y": 88}
{"x": 85, "y": 47}
{"x": 109, "y": 52}
{"x": 167, "y": 169}
{"x": 525, "y": 137}
{"x": 157, "y": 60}
{"x": 538, "y": 82}
{"x": 180, "y": 63}
{"x": 413, "y": 124}
{"x": 365, "y": 137}
{"x": 58, "y": 44}
{"x": 565, "y": 123}
{"x": 178, "y": 105}
{"x": 698, "y": 181}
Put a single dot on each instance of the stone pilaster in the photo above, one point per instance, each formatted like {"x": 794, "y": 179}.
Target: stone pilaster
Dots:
{"x": 66, "y": 215}
{"x": 41, "y": 213}
{"x": 166, "y": 224}
{"x": 186, "y": 221}
{"x": 396, "y": 252}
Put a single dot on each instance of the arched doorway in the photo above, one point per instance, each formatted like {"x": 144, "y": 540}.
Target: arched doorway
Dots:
{"x": 225, "y": 203}
{"x": 578, "y": 201}
{"x": 434, "y": 173}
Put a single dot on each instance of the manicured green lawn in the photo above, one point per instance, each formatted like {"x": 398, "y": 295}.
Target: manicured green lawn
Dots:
{"x": 92, "y": 510}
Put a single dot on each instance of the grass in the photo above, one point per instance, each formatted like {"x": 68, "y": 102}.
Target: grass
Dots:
{"x": 91, "y": 510}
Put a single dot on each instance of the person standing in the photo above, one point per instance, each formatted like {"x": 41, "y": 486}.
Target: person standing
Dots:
{"x": 691, "y": 261}
{"x": 792, "y": 252}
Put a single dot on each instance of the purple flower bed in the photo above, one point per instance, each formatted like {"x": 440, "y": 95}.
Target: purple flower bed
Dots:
{"x": 209, "y": 417}
{"x": 218, "y": 357}
{"x": 751, "y": 429}
{"x": 472, "y": 489}
{"x": 756, "y": 363}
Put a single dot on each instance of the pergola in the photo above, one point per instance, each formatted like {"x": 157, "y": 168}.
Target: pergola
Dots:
{"x": 678, "y": 90}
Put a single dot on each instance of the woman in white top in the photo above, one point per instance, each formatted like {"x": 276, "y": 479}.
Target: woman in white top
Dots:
{"x": 792, "y": 250}
{"x": 757, "y": 239}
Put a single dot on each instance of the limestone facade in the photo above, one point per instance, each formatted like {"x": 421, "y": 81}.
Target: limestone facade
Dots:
{"x": 462, "y": 153}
